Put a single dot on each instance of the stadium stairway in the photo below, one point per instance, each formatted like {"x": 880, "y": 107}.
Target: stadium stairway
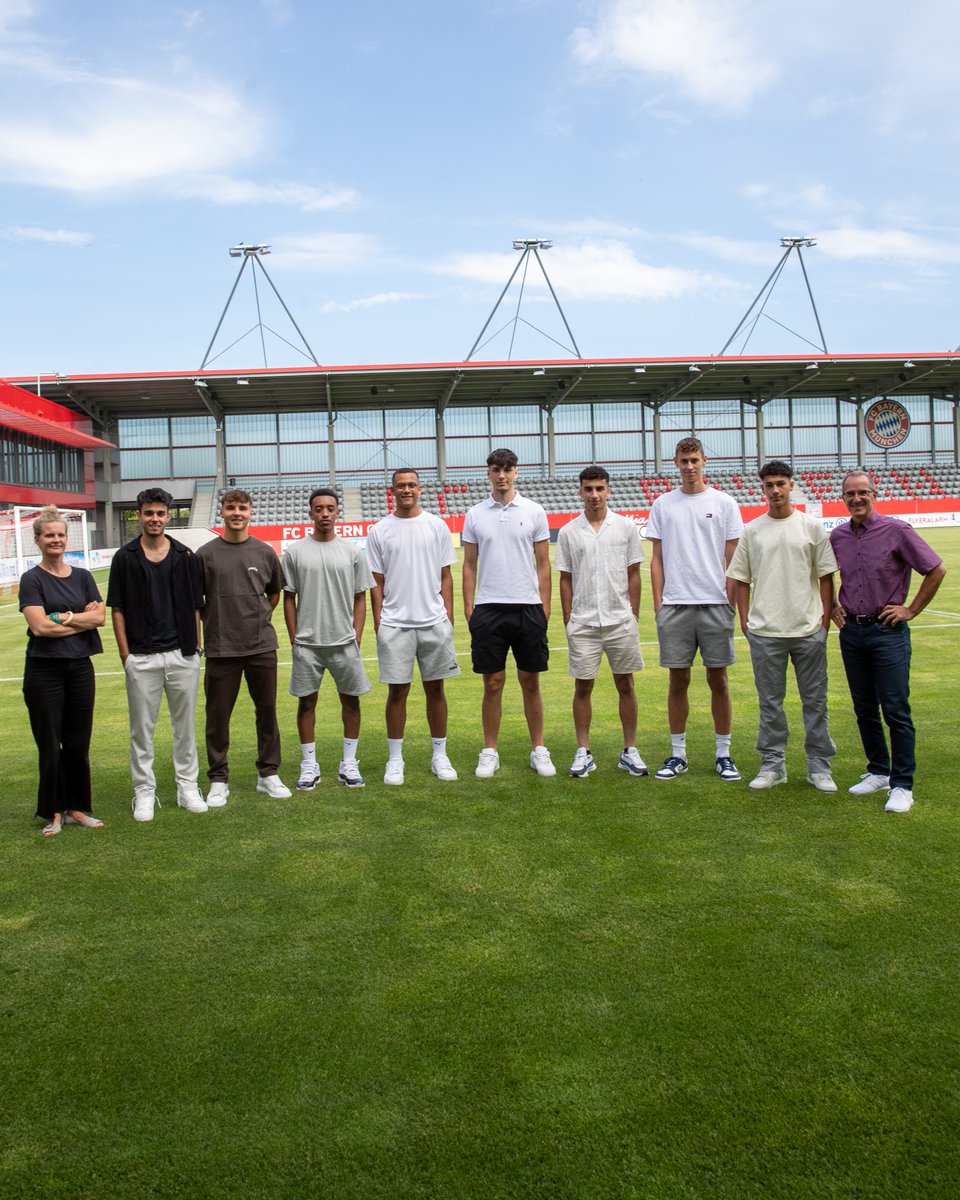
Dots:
{"x": 352, "y": 509}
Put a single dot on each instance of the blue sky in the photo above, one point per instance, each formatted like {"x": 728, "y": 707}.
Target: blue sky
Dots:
{"x": 391, "y": 153}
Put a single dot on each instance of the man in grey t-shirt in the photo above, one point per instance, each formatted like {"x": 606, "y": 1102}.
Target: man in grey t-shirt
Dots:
{"x": 325, "y": 608}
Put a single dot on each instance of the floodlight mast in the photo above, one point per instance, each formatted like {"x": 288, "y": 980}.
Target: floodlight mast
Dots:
{"x": 789, "y": 244}
{"x": 253, "y": 253}
{"x": 528, "y": 246}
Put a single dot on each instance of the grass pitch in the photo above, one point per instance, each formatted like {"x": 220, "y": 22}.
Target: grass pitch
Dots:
{"x": 515, "y": 988}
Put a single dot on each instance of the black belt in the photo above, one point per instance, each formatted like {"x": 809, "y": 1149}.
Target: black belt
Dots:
{"x": 868, "y": 620}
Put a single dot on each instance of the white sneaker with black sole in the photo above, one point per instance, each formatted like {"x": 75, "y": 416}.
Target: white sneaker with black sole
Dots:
{"x": 631, "y": 761}
{"x": 309, "y": 776}
{"x": 349, "y": 773}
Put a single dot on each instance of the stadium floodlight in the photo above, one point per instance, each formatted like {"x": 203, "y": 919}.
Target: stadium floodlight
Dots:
{"x": 245, "y": 250}
{"x": 909, "y": 365}
{"x": 539, "y": 370}
{"x": 694, "y": 369}
{"x": 790, "y": 243}
{"x": 812, "y": 367}
{"x": 639, "y": 370}
{"x": 532, "y": 244}
{"x": 243, "y": 383}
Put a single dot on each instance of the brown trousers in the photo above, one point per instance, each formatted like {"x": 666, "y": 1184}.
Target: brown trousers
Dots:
{"x": 221, "y": 686}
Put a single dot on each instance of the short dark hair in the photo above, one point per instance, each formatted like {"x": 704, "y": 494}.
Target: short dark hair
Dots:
{"x": 689, "y": 445}
{"x": 595, "y": 472}
{"x": 404, "y": 471}
{"x": 154, "y": 496}
{"x": 502, "y": 458}
{"x": 776, "y": 466}
{"x": 323, "y": 491}
{"x": 236, "y": 496}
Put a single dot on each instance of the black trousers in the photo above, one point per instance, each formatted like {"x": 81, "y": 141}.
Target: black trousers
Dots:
{"x": 221, "y": 685}
{"x": 59, "y": 694}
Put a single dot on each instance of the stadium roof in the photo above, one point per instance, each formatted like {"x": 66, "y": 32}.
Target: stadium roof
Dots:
{"x": 547, "y": 383}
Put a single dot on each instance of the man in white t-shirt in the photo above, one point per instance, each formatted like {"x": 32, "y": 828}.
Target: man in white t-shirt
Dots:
{"x": 410, "y": 554}
{"x": 325, "y": 609}
{"x": 787, "y": 557}
{"x": 506, "y": 600}
{"x": 599, "y": 557}
{"x": 693, "y": 532}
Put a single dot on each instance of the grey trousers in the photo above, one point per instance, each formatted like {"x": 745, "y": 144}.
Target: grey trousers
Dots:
{"x": 769, "y": 656}
{"x": 149, "y": 676}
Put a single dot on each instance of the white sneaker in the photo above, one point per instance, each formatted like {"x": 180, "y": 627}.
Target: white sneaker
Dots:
{"x": 274, "y": 787}
{"x": 217, "y": 796}
{"x": 900, "y": 800}
{"x": 541, "y": 762}
{"x": 822, "y": 780}
{"x": 870, "y": 783}
{"x": 143, "y": 803}
{"x": 349, "y": 773}
{"x": 394, "y": 772}
{"x": 631, "y": 761}
{"x": 191, "y": 800}
{"x": 309, "y": 776}
{"x": 582, "y": 764}
{"x": 443, "y": 768}
{"x": 768, "y": 778}
{"x": 488, "y": 764}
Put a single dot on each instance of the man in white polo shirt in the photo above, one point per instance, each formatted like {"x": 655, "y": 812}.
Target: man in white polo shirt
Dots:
{"x": 599, "y": 557}
{"x": 506, "y": 544}
{"x": 410, "y": 554}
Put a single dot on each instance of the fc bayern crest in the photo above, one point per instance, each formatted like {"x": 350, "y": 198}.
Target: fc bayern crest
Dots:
{"x": 887, "y": 424}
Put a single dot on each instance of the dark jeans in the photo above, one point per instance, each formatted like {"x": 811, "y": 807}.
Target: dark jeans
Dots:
{"x": 59, "y": 694}
{"x": 221, "y": 686}
{"x": 876, "y": 659}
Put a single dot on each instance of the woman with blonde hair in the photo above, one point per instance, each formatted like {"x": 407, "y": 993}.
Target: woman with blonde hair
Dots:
{"x": 63, "y": 610}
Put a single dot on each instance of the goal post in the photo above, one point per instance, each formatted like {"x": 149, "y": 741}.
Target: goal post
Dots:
{"x": 18, "y": 550}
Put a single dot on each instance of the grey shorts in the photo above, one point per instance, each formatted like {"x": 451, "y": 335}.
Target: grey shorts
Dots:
{"x": 587, "y": 645}
{"x": 683, "y": 629}
{"x": 343, "y": 662}
{"x": 431, "y": 648}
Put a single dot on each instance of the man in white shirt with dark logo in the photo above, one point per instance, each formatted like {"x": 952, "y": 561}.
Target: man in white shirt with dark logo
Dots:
{"x": 693, "y": 531}
{"x": 506, "y": 600}
{"x": 410, "y": 554}
{"x": 598, "y": 557}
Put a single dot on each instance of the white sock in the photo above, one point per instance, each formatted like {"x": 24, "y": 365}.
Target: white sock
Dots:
{"x": 308, "y": 751}
{"x": 439, "y": 746}
{"x": 350, "y": 748}
{"x": 723, "y": 745}
{"x": 394, "y": 747}
{"x": 678, "y": 742}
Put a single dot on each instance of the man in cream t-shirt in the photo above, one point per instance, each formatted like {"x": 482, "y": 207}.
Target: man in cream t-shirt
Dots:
{"x": 787, "y": 557}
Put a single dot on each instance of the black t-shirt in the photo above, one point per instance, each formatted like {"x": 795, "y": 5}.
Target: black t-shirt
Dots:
{"x": 163, "y": 624}
{"x": 71, "y": 593}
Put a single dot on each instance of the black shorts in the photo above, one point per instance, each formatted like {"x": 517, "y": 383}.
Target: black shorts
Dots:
{"x": 497, "y": 628}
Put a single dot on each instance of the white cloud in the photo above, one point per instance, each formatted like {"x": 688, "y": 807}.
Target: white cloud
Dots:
{"x": 849, "y": 243}
{"x": 220, "y": 189}
{"x": 592, "y": 270}
{"x": 730, "y": 249}
{"x": 52, "y": 237}
{"x": 363, "y": 302}
{"x": 703, "y": 46}
{"x": 326, "y": 251}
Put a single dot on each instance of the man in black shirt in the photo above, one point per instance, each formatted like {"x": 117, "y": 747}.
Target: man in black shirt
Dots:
{"x": 155, "y": 593}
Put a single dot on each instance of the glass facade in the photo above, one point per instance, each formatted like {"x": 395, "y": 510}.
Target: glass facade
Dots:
{"x": 293, "y": 447}
{"x": 33, "y": 462}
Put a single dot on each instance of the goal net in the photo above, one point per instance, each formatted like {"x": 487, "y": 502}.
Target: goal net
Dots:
{"x": 18, "y": 550}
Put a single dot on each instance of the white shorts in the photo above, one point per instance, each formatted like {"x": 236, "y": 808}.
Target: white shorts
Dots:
{"x": 431, "y": 648}
{"x": 588, "y": 644}
{"x": 343, "y": 662}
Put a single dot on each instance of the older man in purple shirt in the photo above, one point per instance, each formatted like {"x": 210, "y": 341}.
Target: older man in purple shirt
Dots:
{"x": 876, "y": 555}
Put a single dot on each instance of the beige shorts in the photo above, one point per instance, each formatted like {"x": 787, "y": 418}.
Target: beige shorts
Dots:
{"x": 431, "y": 648}
{"x": 343, "y": 662}
{"x": 587, "y": 646}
